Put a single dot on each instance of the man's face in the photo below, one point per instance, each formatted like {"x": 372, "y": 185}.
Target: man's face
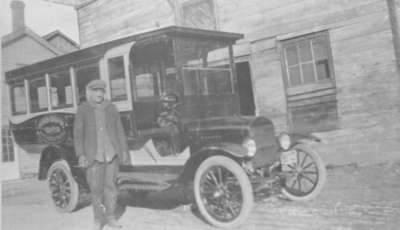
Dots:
{"x": 97, "y": 95}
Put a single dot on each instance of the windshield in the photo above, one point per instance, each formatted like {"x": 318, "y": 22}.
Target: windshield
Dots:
{"x": 205, "y": 67}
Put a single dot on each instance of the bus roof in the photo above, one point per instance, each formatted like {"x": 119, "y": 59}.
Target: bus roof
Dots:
{"x": 97, "y": 51}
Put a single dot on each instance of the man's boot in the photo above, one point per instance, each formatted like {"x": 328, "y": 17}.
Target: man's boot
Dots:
{"x": 113, "y": 223}
{"x": 97, "y": 226}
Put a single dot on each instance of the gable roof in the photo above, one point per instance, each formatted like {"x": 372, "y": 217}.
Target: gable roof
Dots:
{"x": 14, "y": 36}
{"x": 55, "y": 33}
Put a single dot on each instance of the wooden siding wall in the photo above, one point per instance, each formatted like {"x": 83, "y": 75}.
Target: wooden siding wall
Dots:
{"x": 364, "y": 63}
{"x": 106, "y": 20}
{"x": 363, "y": 59}
{"x": 22, "y": 52}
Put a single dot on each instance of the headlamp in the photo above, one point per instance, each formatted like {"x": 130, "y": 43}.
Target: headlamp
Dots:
{"x": 284, "y": 141}
{"x": 251, "y": 147}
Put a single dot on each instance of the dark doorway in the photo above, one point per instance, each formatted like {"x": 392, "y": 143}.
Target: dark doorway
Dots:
{"x": 246, "y": 97}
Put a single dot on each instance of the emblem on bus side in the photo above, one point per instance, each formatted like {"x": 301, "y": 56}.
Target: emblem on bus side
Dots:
{"x": 51, "y": 129}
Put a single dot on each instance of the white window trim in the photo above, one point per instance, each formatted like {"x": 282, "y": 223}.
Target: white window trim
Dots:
{"x": 119, "y": 51}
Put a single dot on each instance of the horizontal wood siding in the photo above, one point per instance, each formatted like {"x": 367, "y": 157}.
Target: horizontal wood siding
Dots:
{"x": 364, "y": 66}
{"x": 105, "y": 20}
{"x": 367, "y": 86}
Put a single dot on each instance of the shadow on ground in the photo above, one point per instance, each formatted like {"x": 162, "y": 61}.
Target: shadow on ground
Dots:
{"x": 159, "y": 200}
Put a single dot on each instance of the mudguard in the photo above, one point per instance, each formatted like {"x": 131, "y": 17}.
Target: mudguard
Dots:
{"x": 231, "y": 150}
{"x": 303, "y": 138}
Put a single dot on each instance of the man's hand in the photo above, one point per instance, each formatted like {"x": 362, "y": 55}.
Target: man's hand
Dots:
{"x": 126, "y": 159}
{"x": 83, "y": 162}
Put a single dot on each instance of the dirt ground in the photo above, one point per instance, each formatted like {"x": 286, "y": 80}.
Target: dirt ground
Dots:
{"x": 353, "y": 198}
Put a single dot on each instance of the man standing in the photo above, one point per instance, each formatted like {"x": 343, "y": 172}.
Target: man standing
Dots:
{"x": 100, "y": 144}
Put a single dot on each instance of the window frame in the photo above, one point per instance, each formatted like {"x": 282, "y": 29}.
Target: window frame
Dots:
{"x": 305, "y": 96}
{"x": 66, "y": 70}
{"x": 38, "y": 109}
{"x": 194, "y": 4}
{"x": 205, "y": 87}
{"x": 12, "y": 97}
{"x": 7, "y": 143}
{"x": 317, "y": 84}
{"x": 125, "y": 74}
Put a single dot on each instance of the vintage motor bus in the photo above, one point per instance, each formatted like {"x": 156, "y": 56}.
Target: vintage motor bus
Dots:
{"x": 176, "y": 91}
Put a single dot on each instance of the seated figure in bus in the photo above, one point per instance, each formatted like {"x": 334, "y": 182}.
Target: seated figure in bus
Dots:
{"x": 168, "y": 118}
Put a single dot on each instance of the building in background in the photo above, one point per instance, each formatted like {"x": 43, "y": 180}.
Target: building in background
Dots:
{"x": 330, "y": 68}
{"x": 23, "y": 47}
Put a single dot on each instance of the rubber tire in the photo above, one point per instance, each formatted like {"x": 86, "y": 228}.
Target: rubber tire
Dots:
{"x": 321, "y": 175}
{"x": 247, "y": 191}
{"x": 74, "y": 201}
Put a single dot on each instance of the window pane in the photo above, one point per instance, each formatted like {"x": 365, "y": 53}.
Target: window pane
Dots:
{"x": 171, "y": 83}
{"x": 83, "y": 76}
{"x": 7, "y": 146}
{"x": 294, "y": 76}
{"x": 291, "y": 55}
{"x": 199, "y": 14}
{"x": 320, "y": 49}
{"x": 60, "y": 90}
{"x": 38, "y": 95}
{"x": 190, "y": 82}
{"x": 308, "y": 73}
{"x": 18, "y": 98}
{"x": 219, "y": 82}
{"x": 323, "y": 69}
{"x": 305, "y": 51}
{"x": 117, "y": 78}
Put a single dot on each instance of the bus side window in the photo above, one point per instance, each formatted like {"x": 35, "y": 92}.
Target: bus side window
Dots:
{"x": 18, "y": 98}
{"x": 38, "y": 94}
{"x": 60, "y": 90}
{"x": 116, "y": 72}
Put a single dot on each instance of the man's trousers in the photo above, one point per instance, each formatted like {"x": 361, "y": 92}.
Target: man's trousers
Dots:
{"x": 102, "y": 178}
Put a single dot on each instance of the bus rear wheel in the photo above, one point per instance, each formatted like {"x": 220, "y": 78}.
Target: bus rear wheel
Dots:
{"x": 64, "y": 190}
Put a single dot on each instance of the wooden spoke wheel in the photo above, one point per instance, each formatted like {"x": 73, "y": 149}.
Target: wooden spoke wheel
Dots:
{"x": 306, "y": 177}
{"x": 223, "y": 192}
{"x": 64, "y": 190}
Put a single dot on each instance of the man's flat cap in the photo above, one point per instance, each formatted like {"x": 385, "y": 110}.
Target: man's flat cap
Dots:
{"x": 97, "y": 84}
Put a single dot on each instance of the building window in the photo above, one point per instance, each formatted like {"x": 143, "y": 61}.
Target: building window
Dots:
{"x": 310, "y": 85}
{"x": 199, "y": 14}
{"x": 8, "y": 147}
{"x": 38, "y": 95}
{"x": 116, "y": 72}
{"x": 307, "y": 60}
{"x": 18, "y": 99}
{"x": 83, "y": 76}
{"x": 61, "y": 90}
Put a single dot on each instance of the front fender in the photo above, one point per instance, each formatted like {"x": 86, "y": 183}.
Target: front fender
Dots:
{"x": 231, "y": 150}
{"x": 303, "y": 138}
{"x": 52, "y": 153}
{"x": 235, "y": 150}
